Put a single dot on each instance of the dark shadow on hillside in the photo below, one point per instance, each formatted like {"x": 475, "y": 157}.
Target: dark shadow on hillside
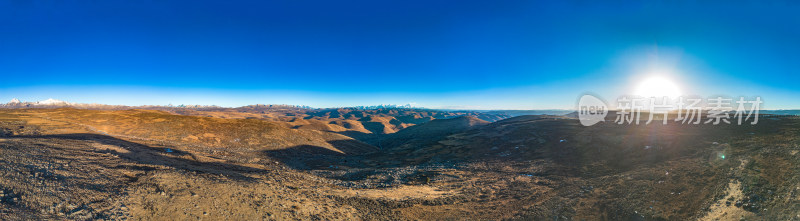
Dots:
{"x": 307, "y": 157}
{"x": 369, "y": 138}
{"x": 163, "y": 155}
{"x": 374, "y": 127}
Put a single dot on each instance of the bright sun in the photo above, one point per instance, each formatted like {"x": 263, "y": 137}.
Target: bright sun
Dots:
{"x": 657, "y": 87}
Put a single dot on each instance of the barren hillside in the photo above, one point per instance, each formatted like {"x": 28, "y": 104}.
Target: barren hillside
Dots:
{"x": 154, "y": 165}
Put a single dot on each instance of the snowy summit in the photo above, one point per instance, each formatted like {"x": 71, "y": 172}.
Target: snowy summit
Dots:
{"x": 52, "y": 101}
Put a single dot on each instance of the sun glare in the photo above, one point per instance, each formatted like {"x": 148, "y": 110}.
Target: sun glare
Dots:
{"x": 658, "y": 87}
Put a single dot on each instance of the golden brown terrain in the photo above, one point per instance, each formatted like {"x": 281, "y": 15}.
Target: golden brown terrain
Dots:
{"x": 247, "y": 165}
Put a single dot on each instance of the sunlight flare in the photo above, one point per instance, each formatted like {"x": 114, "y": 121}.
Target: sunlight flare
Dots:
{"x": 657, "y": 86}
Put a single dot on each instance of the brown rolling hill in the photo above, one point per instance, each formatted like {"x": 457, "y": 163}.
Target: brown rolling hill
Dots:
{"x": 253, "y": 134}
{"x": 361, "y": 124}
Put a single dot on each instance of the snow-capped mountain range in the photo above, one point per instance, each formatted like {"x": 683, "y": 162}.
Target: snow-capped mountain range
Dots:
{"x": 52, "y": 101}
{"x": 48, "y": 102}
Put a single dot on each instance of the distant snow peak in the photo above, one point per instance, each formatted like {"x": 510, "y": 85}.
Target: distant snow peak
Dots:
{"x": 388, "y": 106}
{"x": 14, "y": 101}
{"x": 52, "y": 101}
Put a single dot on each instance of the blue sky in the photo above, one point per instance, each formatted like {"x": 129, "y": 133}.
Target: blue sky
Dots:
{"x": 439, "y": 54}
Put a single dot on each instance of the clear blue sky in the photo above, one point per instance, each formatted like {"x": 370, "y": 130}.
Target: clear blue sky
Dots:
{"x": 442, "y": 54}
